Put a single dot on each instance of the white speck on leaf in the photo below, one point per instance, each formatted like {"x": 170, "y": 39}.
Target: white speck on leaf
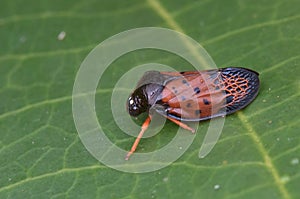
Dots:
{"x": 165, "y": 179}
{"x": 217, "y": 186}
{"x": 61, "y": 36}
{"x": 295, "y": 161}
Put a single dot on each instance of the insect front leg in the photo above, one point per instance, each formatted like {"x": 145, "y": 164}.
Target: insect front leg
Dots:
{"x": 138, "y": 138}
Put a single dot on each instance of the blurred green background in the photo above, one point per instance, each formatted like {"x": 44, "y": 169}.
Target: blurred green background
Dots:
{"x": 41, "y": 154}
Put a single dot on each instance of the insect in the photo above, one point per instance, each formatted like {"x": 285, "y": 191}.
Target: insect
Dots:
{"x": 192, "y": 95}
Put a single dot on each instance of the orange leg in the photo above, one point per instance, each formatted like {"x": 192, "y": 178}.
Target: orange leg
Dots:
{"x": 182, "y": 125}
{"x": 137, "y": 140}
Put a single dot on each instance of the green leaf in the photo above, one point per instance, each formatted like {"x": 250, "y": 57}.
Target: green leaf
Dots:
{"x": 41, "y": 154}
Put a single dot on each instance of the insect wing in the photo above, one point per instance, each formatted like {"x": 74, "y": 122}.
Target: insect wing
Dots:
{"x": 200, "y": 95}
{"x": 241, "y": 86}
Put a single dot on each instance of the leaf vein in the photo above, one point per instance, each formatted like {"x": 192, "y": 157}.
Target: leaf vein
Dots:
{"x": 251, "y": 27}
{"x": 267, "y": 159}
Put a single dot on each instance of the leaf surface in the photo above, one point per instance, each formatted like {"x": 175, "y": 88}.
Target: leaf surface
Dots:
{"x": 41, "y": 154}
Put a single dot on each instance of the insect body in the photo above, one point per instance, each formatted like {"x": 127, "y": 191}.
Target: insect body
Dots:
{"x": 192, "y": 95}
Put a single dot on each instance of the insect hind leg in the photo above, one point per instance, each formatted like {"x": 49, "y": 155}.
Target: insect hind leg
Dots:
{"x": 182, "y": 125}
